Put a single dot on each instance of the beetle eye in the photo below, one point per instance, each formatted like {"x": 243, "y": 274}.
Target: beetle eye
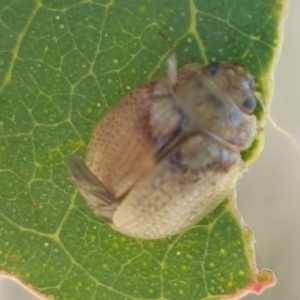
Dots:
{"x": 212, "y": 68}
{"x": 249, "y": 105}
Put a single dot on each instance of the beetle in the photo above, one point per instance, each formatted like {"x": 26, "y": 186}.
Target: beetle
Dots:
{"x": 169, "y": 152}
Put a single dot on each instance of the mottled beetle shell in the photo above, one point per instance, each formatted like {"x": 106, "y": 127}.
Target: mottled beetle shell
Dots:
{"x": 169, "y": 152}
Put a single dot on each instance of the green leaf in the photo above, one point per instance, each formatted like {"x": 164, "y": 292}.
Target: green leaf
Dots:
{"x": 62, "y": 65}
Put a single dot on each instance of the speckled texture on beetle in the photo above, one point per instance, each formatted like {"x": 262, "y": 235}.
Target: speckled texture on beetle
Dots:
{"x": 169, "y": 152}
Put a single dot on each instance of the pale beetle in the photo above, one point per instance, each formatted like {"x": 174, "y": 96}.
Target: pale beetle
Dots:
{"x": 169, "y": 152}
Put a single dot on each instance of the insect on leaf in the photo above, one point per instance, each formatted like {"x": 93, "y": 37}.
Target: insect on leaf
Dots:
{"x": 64, "y": 64}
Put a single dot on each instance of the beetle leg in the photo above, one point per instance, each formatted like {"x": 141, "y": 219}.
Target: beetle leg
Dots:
{"x": 98, "y": 196}
{"x": 172, "y": 69}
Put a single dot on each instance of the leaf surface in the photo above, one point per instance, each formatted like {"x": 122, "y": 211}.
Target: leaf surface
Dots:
{"x": 63, "y": 64}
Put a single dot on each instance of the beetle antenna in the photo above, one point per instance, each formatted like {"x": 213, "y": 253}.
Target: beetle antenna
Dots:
{"x": 165, "y": 38}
